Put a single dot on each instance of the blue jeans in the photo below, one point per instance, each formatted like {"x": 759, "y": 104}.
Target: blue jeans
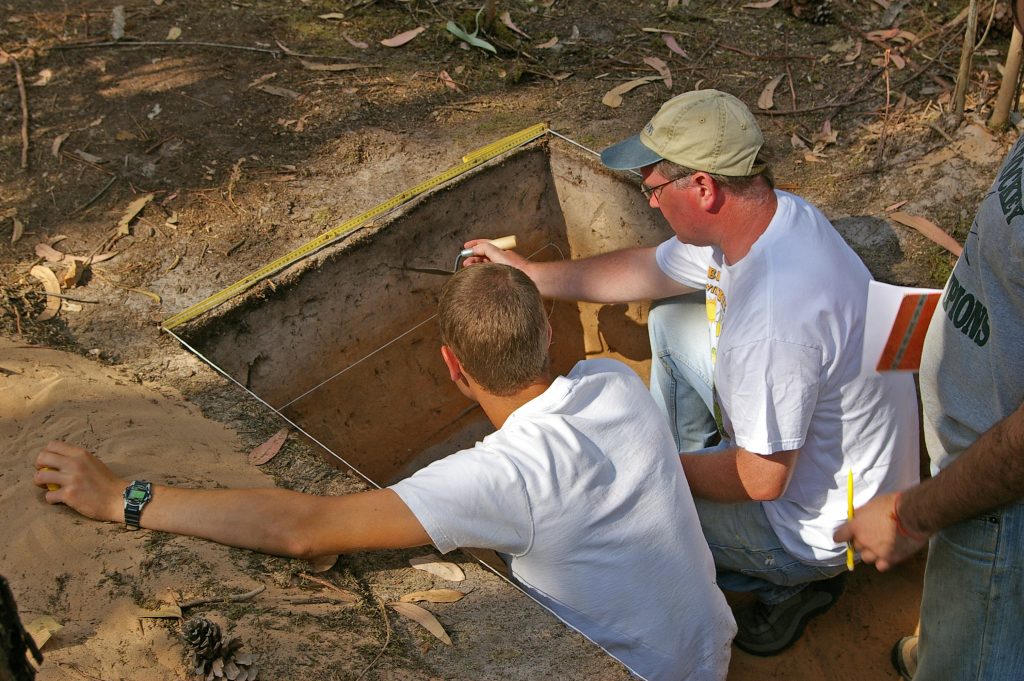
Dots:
{"x": 972, "y": 608}
{"x": 748, "y": 554}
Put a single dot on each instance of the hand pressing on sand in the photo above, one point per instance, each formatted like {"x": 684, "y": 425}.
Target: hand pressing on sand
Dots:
{"x": 84, "y": 482}
{"x": 878, "y": 535}
{"x": 277, "y": 521}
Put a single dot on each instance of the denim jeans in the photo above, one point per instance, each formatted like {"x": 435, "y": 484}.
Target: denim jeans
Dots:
{"x": 972, "y": 608}
{"x": 748, "y": 554}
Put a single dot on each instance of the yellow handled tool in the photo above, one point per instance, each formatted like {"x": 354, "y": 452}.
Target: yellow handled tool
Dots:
{"x": 849, "y": 516}
{"x": 50, "y": 486}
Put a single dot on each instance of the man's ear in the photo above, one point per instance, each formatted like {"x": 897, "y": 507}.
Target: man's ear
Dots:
{"x": 452, "y": 362}
{"x": 709, "y": 193}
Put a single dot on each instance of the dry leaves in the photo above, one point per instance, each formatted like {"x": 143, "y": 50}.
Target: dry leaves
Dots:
{"x": 316, "y": 66}
{"x": 674, "y": 46}
{"x": 761, "y": 5}
{"x": 930, "y": 230}
{"x": 434, "y": 596}
{"x": 48, "y": 253}
{"x": 49, "y": 281}
{"x": 331, "y": 15}
{"x": 323, "y": 563}
{"x": 269, "y": 449}
{"x": 132, "y": 212}
{"x": 72, "y": 274}
{"x": 447, "y": 80}
{"x": 87, "y": 157}
{"x": 661, "y": 67}
{"x": 44, "y": 78}
{"x": 613, "y": 98}
{"x": 402, "y": 38}
{"x": 57, "y": 142}
{"x": 548, "y": 44}
{"x": 17, "y": 230}
{"x": 167, "y": 611}
{"x": 42, "y": 628}
{"x": 766, "y": 99}
{"x": 358, "y": 44}
{"x": 433, "y": 564}
{"x": 422, "y": 617}
{"x": 174, "y": 33}
{"x": 506, "y": 19}
{"x": 279, "y": 91}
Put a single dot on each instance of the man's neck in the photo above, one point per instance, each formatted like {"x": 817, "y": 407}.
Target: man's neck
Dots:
{"x": 498, "y": 408}
{"x": 744, "y": 225}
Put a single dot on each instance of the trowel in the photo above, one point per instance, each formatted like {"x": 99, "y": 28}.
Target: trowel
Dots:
{"x": 505, "y": 243}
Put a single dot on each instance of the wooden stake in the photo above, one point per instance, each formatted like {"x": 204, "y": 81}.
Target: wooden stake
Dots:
{"x": 963, "y": 77}
{"x": 1008, "y": 86}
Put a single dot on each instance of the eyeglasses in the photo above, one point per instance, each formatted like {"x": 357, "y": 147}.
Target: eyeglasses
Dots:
{"x": 648, "y": 192}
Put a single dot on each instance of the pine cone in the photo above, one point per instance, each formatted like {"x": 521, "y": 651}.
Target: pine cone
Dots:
{"x": 202, "y": 636}
{"x": 814, "y": 11}
{"x": 212, "y": 658}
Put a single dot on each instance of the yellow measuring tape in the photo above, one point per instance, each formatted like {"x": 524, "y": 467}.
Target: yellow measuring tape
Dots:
{"x": 469, "y": 161}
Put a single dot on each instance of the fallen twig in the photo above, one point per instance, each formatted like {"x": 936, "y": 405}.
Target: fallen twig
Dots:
{"x": 323, "y": 582}
{"x": 97, "y": 195}
{"x": 819, "y": 107}
{"x": 223, "y": 599}
{"x": 318, "y": 600}
{"x": 387, "y": 640}
{"x": 63, "y": 297}
{"x": 767, "y": 57}
{"x": 186, "y": 43}
{"x": 24, "y": 106}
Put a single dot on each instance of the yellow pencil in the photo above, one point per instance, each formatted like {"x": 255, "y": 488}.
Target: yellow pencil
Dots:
{"x": 849, "y": 516}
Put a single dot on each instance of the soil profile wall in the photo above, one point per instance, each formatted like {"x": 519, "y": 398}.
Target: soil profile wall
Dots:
{"x": 345, "y": 344}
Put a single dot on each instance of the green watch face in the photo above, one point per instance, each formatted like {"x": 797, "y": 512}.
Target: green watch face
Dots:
{"x": 136, "y": 495}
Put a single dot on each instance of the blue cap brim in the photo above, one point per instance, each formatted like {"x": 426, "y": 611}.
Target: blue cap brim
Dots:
{"x": 629, "y": 154}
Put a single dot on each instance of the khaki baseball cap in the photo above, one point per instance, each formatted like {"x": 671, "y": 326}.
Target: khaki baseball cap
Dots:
{"x": 706, "y": 130}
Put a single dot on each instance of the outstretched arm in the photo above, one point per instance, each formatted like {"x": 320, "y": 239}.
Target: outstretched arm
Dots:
{"x": 617, "y": 277}
{"x": 277, "y": 521}
{"x": 989, "y": 474}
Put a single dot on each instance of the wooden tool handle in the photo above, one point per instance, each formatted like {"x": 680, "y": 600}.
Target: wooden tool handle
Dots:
{"x": 505, "y": 243}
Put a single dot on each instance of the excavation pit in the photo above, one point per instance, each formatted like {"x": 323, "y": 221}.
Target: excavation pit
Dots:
{"x": 344, "y": 344}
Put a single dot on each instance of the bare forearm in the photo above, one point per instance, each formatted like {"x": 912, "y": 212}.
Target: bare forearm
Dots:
{"x": 989, "y": 474}
{"x": 736, "y": 475}
{"x": 286, "y": 523}
{"x": 617, "y": 277}
{"x": 268, "y": 519}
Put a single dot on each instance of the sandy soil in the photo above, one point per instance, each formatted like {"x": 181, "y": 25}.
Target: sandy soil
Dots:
{"x": 241, "y": 175}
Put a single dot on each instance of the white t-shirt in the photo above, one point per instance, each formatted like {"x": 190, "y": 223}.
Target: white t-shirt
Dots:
{"x": 582, "y": 493}
{"x": 786, "y": 325}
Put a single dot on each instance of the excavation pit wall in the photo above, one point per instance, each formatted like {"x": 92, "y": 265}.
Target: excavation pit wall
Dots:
{"x": 344, "y": 343}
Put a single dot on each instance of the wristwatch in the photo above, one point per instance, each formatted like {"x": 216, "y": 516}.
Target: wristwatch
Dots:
{"x": 136, "y": 496}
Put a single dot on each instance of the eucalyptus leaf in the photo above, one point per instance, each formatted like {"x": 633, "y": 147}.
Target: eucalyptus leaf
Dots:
{"x": 471, "y": 38}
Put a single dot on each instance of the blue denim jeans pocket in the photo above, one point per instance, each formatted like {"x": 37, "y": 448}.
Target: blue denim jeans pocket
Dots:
{"x": 972, "y": 609}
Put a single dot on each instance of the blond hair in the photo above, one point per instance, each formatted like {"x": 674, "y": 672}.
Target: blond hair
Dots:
{"x": 492, "y": 318}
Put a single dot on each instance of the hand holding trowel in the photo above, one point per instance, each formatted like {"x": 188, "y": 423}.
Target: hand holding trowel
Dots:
{"x": 499, "y": 245}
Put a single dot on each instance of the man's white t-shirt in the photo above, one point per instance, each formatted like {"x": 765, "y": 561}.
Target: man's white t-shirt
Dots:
{"x": 786, "y": 324}
{"x": 582, "y": 492}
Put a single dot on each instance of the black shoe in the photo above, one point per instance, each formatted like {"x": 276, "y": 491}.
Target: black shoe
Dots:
{"x": 769, "y": 629}
{"x": 904, "y": 657}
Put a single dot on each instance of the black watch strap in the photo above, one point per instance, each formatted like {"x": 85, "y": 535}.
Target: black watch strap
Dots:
{"x": 136, "y": 496}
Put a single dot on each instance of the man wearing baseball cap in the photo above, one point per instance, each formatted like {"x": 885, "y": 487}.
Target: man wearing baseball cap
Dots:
{"x": 756, "y": 329}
